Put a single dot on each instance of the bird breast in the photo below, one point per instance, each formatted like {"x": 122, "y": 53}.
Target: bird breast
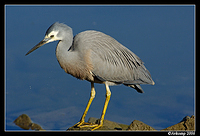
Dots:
{"x": 74, "y": 63}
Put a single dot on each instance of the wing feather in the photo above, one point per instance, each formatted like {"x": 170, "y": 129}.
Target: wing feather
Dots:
{"x": 111, "y": 60}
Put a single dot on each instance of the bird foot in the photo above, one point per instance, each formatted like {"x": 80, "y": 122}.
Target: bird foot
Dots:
{"x": 88, "y": 125}
{"x": 81, "y": 123}
{"x": 98, "y": 126}
{"x": 93, "y": 126}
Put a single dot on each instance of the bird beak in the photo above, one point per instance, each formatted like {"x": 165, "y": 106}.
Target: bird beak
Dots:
{"x": 44, "y": 41}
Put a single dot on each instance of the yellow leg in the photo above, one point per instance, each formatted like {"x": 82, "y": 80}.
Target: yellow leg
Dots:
{"x": 108, "y": 94}
{"x": 96, "y": 126}
{"x": 92, "y": 95}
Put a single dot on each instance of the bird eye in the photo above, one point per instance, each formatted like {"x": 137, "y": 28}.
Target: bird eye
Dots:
{"x": 52, "y": 36}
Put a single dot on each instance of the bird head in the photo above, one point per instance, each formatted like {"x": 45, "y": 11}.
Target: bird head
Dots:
{"x": 56, "y": 31}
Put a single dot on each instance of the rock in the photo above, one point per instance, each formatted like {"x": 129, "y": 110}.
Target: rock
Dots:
{"x": 124, "y": 126}
{"x": 139, "y": 126}
{"x": 24, "y": 122}
{"x": 107, "y": 125}
{"x": 36, "y": 127}
{"x": 185, "y": 118}
{"x": 187, "y": 123}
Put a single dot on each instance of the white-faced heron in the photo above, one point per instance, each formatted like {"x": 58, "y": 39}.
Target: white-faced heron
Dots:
{"x": 98, "y": 58}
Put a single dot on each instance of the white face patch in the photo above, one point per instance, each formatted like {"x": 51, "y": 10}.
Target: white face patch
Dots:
{"x": 52, "y": 36}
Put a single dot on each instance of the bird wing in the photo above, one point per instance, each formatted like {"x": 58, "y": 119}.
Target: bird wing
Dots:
{"x": 111, "y": 60}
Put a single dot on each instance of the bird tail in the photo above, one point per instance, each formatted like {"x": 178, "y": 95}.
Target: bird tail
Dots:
{"x": 137, "y": 87}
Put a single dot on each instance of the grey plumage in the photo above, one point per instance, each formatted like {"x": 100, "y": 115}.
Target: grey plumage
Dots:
{"x": 97, "y": 58}
{"x": 111, "y": 60}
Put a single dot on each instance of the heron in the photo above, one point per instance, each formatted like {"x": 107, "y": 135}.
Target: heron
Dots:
{"x": 98, "y": 58}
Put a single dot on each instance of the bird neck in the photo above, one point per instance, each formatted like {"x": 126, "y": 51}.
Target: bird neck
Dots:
{"x": 64, "y": 54}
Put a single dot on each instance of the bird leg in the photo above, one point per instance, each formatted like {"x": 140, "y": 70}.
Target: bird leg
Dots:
{"x": 96, "y": 126}
{"x": 108, "y": 94}
{"x": 92, "y": 95}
